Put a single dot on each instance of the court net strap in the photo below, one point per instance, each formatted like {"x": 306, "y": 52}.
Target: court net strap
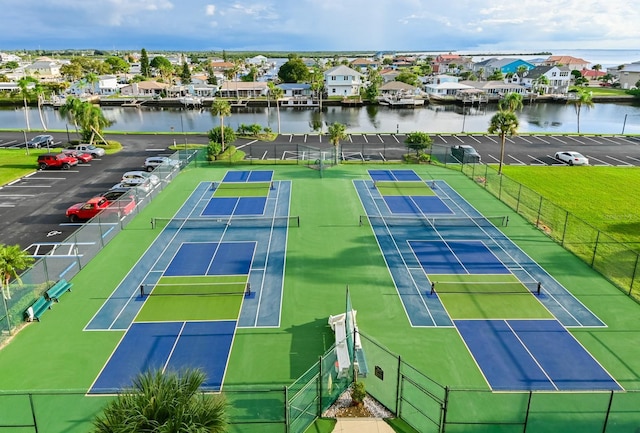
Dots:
{"x": 417, "y": 221}
{"x": 213, "y": 222}
{"x": 486, "y": 287}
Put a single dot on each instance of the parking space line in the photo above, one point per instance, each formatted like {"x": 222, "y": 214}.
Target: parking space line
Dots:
{"x": 623, "y": 163}
{"x": 629, "y": 141}
{"x": 154, "y": 150}
{"x": 599, "y": 160}
{"x": 593, "y": 140}
{"x": 574, "y": 139}
{"x": 380, "y": 138}
{"x": 459, "y": 139}
{"x": 518, "y": 162}
{"x": 442, "y": 138}
{"x": 537, "y": 137}
{"x": 17, "y": 195}
{"x": 632, "y": 158}
{"x": 540, "y": 162}
{"x": 366, "y": 140}
{"x": 610, "y": 140}
{"x": 491, "y": 138}
{"x": 474, "y": 138}
{"x": 395, "y": 137}
{"x": 525, "y": 140}
{"x": 29, "y": 186}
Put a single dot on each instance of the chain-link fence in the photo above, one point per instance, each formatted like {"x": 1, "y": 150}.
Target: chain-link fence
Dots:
{"x": 614, "y": 260}
{"x": 63, "y": 260}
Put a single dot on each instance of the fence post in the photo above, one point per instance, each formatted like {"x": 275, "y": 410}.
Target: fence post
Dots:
{"x": 518, "y": 200}
{"x": 500, "y": 189}
{"x": 445, "y": 406}
{"x": 564, "y": 229}
{"x": 539, "y": 211}
{"x": 633, "y": 275}
{"x": 287, "y": 427}
{"x": 398, "y": 386}
{"x": 319, "y": 390}
{"x": 595, "y": 249}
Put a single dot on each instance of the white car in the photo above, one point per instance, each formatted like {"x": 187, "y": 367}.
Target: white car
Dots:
{"x": 95, "y": 151}
{"x": 140, "y": 176}
{"x": 141, "y": 185}
{"x": 152, "y": 162}
{"x": 572, "y": 158}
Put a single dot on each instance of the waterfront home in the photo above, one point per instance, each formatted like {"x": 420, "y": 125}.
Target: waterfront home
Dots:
{"x": 342, "y": 81}
{"x": 297, "y": 95}
{"x": 145, "y": 89}
{"x": 504, "y": 65}
{"x": 628, "y": 74}
{"x": 44, "y": 68}
{"x": 494, "y": 90}
{"x": 399, "y": 94}
{"x": 559, "y": 78}
{"x": 389, "y": 75}
{"x": 443, "y": 63}
{"x": 567, "y": 61}
{"x": 444, "y": 88}
{"x": 361, "y": 64}
{"x": 243, "y": 89}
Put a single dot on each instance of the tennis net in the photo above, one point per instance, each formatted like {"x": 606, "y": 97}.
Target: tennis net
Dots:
{"x": 213, "y": 222}
{"x": 195, "y": 289}
{"x": 242, "y": 185}
{"x": 416, "y": 221}
{"x": 485, "y": 287}
{"x": 403, "y": 184}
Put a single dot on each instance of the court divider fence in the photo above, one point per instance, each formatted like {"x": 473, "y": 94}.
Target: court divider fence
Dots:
{"x": 63, "y": 260}
{"x": 616, "y": 261}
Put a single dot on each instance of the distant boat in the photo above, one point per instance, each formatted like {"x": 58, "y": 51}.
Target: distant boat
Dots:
{"x": 401, "y": 101}
{"x": 192, "y": 101}
{"x": 133, "y": 103}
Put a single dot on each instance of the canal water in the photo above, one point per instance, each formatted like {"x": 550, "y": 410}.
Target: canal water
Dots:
{"x": 549, "y": 117}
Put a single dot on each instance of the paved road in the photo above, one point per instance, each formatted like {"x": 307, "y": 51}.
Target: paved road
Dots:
{"x": 32, "y": 208}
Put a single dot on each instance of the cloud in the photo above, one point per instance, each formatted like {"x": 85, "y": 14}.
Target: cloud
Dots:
{"x": 210, "y": 10}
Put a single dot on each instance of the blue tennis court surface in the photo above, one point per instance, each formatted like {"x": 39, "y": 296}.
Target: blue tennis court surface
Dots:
{"x": 171, "y": 346}
{"x": 248, "y": 176}
{"x": 394, "y": 175}
{"x": 517, "y": 355}
{"x": 417, "y": 205}
{"x": 212, "y": 258}
{"x": 457, "y": 257}
{"x": 228, "y": 206}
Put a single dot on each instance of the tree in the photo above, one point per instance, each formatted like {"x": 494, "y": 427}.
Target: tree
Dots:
{"x": 317, "y": 83}
{"x": 185, "y": 75}
{"x": 222, "y": 109}
{"x": 578, "y": 98}
{"x": 408, "y": 77}
{"x": 91, "y": 79}
{"x": 71, "y": 71}
{"x": 277, "y": 93}
{"x": 72, "y": 111}
{"x": 13, "y": 259}
{"x": 512, "y": 101}
{"x": 497, "y": 75}
{"x": 540, "y": 83}
{"x": 145, "y": 68}
{"x": 211, "y": 75}
{"x": 375, "y": 81}
{"x": 26, "y": 84}
{"x": 116, "y": 64}
{"x": 294, "y": 70}
{"x": 218, "y": 133}
{"x": 503, "y": 123}
{"x": 165, "y": 402}
{"x": 163, "y": 66}
{"x": 418, "y": 141}
{"x": 337, "y": 133}
{"x": 91, "y": 121}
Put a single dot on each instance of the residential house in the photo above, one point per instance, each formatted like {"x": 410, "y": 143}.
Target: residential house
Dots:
{"x": 44, "y": 68}
{"x": 496, "y": 89}
{"x": 444, "y": 88}
{"x": 628, "y": 75}
{"x": 593, "y": 76}
{"x": 570, "y": 62}
{"x": 297, "y": 95}
{"x": 504, "y": 65}
{"x": 362, "y": 64}
{"x": 6, "y": 57}
{"x": 145, "y": 89}
{"x": 258, "y": 60}
{"x": 243, "y": 89}
{"x": 398, "y": 88}
{"x": 389, "y": 75}
{"x": 559, "y": 78}
{"x": 342, "y": 81}
{"x": 443, "y": 63}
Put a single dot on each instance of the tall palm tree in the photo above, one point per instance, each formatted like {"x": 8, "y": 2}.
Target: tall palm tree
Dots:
{"x": 337, "y": 133}
{"x": 512, "y": 101}
{"x": 277, "y": 93}
{"x": 581, "y": 97}
{"x": 541, "y": 82}
{"x": 72, "y": 111}
{"x": 13, "y": 259}
{"x": 502, "y": 123}
{"x": 165, "y": 402}
{"x": 91, "y": 120}
{"x": 26, "y": 84}
{"x": 222, "y": 109}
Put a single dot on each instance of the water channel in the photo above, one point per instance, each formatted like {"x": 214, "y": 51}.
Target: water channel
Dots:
{"x": 549, "y": 117}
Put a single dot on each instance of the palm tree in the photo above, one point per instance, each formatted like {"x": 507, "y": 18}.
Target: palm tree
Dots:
{"x": 337, "y": 132}
{"x": 502, "y": 123}
{"x": 512, "y": 101}
{"x": 277, "y": 93}
{"x": 222, "y": 109}
{"x": 25, "y": 84}
{"x": 581, "y": 97}
{"x": 165, "y": 402}
{"x": 72, "y": 111}
{"x": 12, "y": 260}
{"x": 92, "y": 121}
{"x": 540, "y": 82}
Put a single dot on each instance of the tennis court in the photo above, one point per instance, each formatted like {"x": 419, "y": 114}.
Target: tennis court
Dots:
{"x": 455, "y": 268}
{"x": 218, "y": 264}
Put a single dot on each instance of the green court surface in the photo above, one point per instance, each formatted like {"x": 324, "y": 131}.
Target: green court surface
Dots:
{"x": 58, "y": 361}
{"x": 194, "y": 298}
{"x": 403, "y": 188}
{"x": 242, "y": 189}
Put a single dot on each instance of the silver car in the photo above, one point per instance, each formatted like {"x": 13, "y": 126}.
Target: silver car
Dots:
{"x": 40, "y": 141}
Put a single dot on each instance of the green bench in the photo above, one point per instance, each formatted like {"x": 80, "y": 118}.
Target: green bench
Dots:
{"x": 57, "y": 290}
{"x": 37, "y": 309}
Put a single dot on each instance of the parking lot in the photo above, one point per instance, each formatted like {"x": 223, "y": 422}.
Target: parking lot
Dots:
{"x": 33, "y": 207}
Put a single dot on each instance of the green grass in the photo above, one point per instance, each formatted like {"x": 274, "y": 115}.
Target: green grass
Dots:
{"x": 17, "y": 163}
{"x": 604, "y": 197}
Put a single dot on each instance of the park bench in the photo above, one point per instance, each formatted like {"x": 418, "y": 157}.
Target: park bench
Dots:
{"x": 57, "y": 290}
{"x": 37, "y": 309}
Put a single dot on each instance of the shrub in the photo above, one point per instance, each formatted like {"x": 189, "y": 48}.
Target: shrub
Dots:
{"x": 358, "y": 392}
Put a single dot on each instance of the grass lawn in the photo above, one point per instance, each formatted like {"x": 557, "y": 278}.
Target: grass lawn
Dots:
{"x": 16, "y": 163}
{"x": 605, "y": 197}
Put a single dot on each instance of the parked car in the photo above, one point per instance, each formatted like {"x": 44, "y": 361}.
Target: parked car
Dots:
{"x": 95, "y": 151}
{"x": 115, "y": 193}
{"x": 142, "y": 185}
{"x": 152, "y": 162}
{"x": 82, "y": 157}
{"x": 465, "y": 154}
{"x": 56, "y": 160}
{"x": 95, "y": 205}
{"x": 40, "y": 141}
{"x": 140, "y": 176}
{"x": 572, "y": 158}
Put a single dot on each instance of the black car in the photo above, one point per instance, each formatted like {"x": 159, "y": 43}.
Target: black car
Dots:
{"x": 465, "y": 154}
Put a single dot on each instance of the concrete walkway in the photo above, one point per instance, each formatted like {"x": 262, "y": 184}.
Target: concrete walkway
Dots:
{"x": 362, "y": 425}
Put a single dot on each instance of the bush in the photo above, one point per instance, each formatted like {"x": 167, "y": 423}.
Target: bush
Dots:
{"x": 216, "y": 135}
{"x": 358, "y": 392}
{"x": 213, "y": 150}
{"x": 231, "y": 154}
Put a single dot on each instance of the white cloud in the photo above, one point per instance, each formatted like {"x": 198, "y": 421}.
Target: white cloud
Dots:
{"x": 210, "y": 10}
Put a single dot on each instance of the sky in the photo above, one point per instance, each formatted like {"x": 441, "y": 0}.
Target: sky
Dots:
{"x": 320, "y": 25}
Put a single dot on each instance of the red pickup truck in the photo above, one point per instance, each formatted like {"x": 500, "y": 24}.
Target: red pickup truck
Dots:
{"x": 96, "y": 205}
